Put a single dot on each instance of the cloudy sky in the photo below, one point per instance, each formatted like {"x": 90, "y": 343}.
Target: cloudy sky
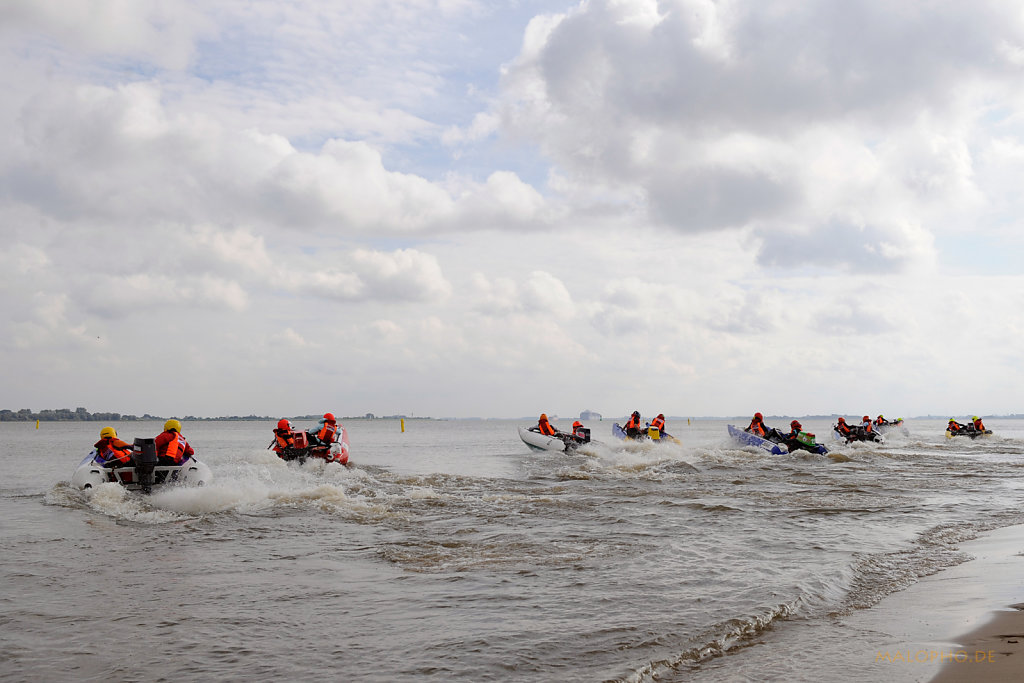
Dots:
{"x": 468, "y": 208}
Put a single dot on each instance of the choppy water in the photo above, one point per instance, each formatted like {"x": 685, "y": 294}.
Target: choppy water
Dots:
{"x": 452, "y": 551}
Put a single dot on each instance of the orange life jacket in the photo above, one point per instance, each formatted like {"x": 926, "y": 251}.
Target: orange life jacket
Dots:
{"x": 634, "y": 422}
{"x": 175, "y": 449}
{"x": 757, "y": 427}
{"x": 327, "y": 433}
{"x": 545, "y": 428}
{"x": 979, "y": 425}
{"x": 658, "y": 423}
{"x": 284, "y": 439}
{"x": 843, "y": 428}
{"x": 105, "y": 447}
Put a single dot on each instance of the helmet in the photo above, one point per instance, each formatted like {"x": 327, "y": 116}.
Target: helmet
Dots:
{"x": 952, "y": 420}
{"x": 107, "y": 432}
{"x": 544, "y": 416}
{"x": 661, "y": 416}
{"x": 758, "y": 416}
{"x": 284, "y": 424}
{"x": 867, "y": 418}
{"x": 842, "y": 420}
{"x": 636, "y": 413}
{"x": 975, "y": 418}
{"x": 881, "y": 417}
{"x": 576, "y": 424}
{"x": 329, "y": 417}
{"x": 795, "y": 423}
{"x": 172, "y": 426}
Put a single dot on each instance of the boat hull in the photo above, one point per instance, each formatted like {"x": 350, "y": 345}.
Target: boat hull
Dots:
{"x": 748, "y": 439}
{"x": 543, "y": 442}
{"x": 973, "y": 434}
{"x": 91, "y": 474}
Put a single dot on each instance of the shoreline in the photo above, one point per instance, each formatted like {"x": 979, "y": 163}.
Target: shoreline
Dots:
{"x": 956, "y": 625}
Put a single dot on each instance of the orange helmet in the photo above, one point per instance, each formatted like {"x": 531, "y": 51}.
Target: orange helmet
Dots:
{"x": 284, "y": 424}
{"x": 758, "y": 416}
{"x": 329, "y": 417}
{"x": 544, "y": 417}
{"x": 843, "y": 420}
{"x": 795, "y": 423}
{"x": 867, "y": 418}
{"x": 576, "y": 424}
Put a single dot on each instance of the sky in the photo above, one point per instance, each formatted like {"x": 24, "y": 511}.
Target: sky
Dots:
{"x": 463, "y": 208}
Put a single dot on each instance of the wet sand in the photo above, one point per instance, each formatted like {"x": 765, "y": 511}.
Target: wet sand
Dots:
{"x": 991, "y": 653}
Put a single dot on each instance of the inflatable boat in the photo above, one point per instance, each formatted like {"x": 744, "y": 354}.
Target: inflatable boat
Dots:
{"x": 302, "y": 450}
{"x": 145, "y": 474}
{"x": 748, "y": 439}
{"x": 542, "y": 442}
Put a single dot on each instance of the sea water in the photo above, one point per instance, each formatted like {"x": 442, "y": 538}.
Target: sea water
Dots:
{"x": 452, "y": 551}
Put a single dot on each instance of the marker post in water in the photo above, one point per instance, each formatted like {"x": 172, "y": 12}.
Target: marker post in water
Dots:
{"x": 402, "y": 420}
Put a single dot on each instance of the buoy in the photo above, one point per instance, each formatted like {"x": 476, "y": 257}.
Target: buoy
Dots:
{"x": 403, "y": 425}
{"x": 37, "y": 424}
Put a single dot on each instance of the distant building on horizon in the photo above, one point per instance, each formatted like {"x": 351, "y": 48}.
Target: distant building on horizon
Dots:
{"x": 590, "y": 415}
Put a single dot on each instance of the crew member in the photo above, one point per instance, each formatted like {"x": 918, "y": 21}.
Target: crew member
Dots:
{"x": 757, "y": 426}
{"x": 978, "y": 424}
{"x": 544, "y": 427}
{"x": 794, "y": 429}
{"x": 659, "y": 424}
{"x": 579, "y": 431}
{"x": 284, "y": 437}
{"x": 171, "y": 446}
{"x": 844, "y": 429}
{"x": 113, "y": 451}
{"x": 328, "y": 432}
{"x": 953, "y": 426}
{"x": 880, "y": 420}
{"x": 632, "y": 427}
{"x": 866, "y": 424}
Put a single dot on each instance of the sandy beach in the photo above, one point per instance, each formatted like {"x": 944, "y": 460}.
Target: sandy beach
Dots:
{"x": 963, "y": 624}
{"x": 992, "y": 652}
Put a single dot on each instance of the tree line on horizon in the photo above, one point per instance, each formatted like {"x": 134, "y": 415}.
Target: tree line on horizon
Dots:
{"x": 83, "y": 415}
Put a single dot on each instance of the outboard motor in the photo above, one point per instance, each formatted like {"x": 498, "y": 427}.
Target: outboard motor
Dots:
{"x": 144, "y": 453}
{"x": 586, "y": 434}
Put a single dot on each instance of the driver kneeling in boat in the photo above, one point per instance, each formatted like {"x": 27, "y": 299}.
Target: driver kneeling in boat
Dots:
{"x": 171, "y": 446}
{"x": 284, "y": 437}
{"x": 632, "y": 427}
{"x": 115, "y": 453}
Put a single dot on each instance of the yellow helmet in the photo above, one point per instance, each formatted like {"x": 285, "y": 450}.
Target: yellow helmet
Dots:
{"x": 975, "y": 418}
{"x": 107, "y": 432}
{"x": 172, "y": 426}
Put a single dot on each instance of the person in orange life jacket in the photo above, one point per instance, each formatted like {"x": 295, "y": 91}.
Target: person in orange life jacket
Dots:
{"x": 171, "y": 446}
{"x": 758, "y": 427}
{"x": 866, "y": 424}
{"x": 632, "y": 427}
{"x": 794, "y": 430}
{"x": 843, "y": 428}
{"x": 578, "y": 432}
{"x": 880, "y": 420}
{"x": 978, "y": 424}
{"x": 113, "y": 451}
{"x": 953, "y": 426}
{"x": 544, "y": 426}
{"x": 659, "y": 424}
{"x": 327, "y": 433}
{"x": 284, "y": 437}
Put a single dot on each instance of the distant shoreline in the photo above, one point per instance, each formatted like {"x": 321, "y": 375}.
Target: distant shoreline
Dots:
{"x": 83, "y": 415}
